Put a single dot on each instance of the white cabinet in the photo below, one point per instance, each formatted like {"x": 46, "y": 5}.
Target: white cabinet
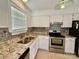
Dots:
{"x": 33, "y": 49}
{"x": 4, "y": 13}
{"x": 41, "y": 42}
{"x": 43, "y": 21}
{"x": 35, "y": 22}
{"x": 44, "y": 42}
{"x": 56, "y": 18}
{"x": 75, "y": 16}
{"x": 40, "y": 21}
{"x": 69, "y": 45}
{"x": 67, "y": 20}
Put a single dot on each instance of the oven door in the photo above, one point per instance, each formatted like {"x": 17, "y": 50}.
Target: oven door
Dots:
{"x": 56, "y": 41}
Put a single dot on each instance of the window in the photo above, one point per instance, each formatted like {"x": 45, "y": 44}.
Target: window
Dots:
{"x": 19, "y": 20}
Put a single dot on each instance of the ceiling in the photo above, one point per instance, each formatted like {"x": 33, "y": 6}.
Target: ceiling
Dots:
{"x": 45, "y": 4}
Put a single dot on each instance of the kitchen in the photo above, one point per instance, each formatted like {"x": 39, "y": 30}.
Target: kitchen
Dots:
{"x": 30, "y": 30}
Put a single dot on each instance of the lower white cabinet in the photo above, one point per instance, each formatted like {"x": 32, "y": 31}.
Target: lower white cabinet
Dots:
{"x": 41, "y": 42}
{"x": 44, "y": 43}
{"x": 33, "y": 49}
{"x": 70, "y": 45}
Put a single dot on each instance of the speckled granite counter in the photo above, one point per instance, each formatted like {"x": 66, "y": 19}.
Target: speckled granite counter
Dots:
{"x": 67, "y": 36}
{"x": 10, "y": 49}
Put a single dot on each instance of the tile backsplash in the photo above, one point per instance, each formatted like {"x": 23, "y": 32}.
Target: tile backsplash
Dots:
{"x": 56, "y": 27}
{"x": 65, "y": 31}
{"x": 4, "y": 34}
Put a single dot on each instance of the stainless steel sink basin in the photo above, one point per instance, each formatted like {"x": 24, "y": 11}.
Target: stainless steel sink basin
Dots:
{"x": 26, "y": 40}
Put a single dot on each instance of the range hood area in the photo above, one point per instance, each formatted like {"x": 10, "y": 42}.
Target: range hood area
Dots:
{"x": 55, "y": 27}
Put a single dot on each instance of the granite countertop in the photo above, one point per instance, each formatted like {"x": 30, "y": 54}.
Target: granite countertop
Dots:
{"x": 67, "y": 36}
{"x": 10, "y": 48}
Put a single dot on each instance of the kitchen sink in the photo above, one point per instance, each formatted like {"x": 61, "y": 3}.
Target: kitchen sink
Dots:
{"x": 26, "y": 40}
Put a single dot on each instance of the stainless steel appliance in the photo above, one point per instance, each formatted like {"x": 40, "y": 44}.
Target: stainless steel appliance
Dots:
{"x": 56, "y": 42}
{"x": 25, "y": 55}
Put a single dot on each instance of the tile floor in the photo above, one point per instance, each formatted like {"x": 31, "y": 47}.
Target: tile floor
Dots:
{"x": 48, "y": 55}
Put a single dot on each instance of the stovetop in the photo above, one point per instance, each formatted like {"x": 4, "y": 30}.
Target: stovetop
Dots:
{"x": 51, "y": 34}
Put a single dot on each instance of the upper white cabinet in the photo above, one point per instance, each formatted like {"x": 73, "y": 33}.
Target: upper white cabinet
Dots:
{"x": 4, "y": 13}
{"x": 75, "y": 16}
{"x": 40, "y": 21}
{"x": 56, "y": 18}
{"x": 67, "y": 20}
{"x": 64, "y": 19}
{"x": 35, "y": 22}
{"x": 43, "y": 21}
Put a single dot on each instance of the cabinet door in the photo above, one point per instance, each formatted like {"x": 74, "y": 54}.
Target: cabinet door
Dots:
{"x": 36, "y": 46}
{"x": 32, "y": 52}
{"x": 35, "y": 21}
{"x": 40, "y": 21}
{"x": 67, "y": 20}
{"x": 43, "y": 21}
{"x": 69, "y": 45}
{"x": 44, "y": 43}
{"x": 75, "y": 16}
{"x": 56, "y": 18}
{"x": 33, "y": 49}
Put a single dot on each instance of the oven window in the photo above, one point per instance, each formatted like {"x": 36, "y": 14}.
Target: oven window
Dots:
{"x": 57, "y": 41}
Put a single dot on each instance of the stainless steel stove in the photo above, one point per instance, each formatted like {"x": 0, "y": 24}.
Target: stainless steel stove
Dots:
{"x": 57, "y": 43}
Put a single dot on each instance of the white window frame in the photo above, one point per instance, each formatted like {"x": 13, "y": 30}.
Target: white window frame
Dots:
{"x": 21, "y": 29}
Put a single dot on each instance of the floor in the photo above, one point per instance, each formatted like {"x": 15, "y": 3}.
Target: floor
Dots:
{"x": 48, "y": 55}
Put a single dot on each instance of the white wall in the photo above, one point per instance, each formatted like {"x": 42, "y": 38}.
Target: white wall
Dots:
{"x": 4, "y": 13}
